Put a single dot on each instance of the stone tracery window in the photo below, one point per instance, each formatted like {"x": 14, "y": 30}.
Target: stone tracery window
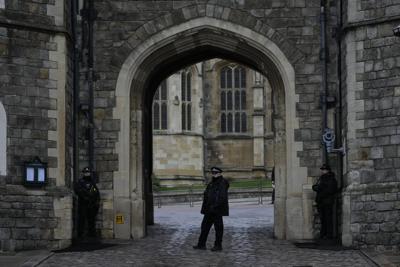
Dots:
{"x": 233, "y": 99}
{"x": 160, "y": 108}
{"x": 186, "y": 95}
{"x": 3, "y": 140}
{"x": 2, "y": 4}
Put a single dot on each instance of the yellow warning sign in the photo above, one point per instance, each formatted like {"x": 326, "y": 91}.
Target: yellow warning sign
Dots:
{"x": 119, "y": 219}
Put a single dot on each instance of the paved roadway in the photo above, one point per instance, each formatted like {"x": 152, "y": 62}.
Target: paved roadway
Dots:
{"x": 247, "y": 242}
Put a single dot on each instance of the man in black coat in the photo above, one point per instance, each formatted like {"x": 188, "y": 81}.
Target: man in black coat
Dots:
{"x": 88, "y": 203}
{"x": 273, "y": 185}
{"x": 325, "y": 187}
{"x": 215, "y": 205}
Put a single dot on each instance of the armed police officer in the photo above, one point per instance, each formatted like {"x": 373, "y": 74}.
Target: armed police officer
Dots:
{"x": 215, "y": 205}
{"x": 88, "y": 203}
{"x": 326, "y": 188}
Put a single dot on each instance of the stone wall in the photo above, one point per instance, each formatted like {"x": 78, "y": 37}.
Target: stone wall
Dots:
{"x": 234, "y": 156}
{"x": 178, "y": 153}
{"x": 34, "y": 80}
{"x": 372, "y": 94}
{"x": 34, "y": 75}
{"x": 178, "y": 159}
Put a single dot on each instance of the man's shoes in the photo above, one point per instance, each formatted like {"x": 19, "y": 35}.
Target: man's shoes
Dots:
{"x": 216, "y": 248}
{"x": 200, "y": 247}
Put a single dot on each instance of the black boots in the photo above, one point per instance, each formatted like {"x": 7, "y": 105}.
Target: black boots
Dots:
{"x": 200, "y": 247}
{"x": 216, "y": 248}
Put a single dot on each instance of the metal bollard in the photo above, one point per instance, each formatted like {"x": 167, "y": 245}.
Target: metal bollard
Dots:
{"x": 159, "y": 202}
{"x": 191, "y": 196}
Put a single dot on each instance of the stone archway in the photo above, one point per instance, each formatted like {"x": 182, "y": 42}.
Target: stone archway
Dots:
{"x": 183, "y": 44}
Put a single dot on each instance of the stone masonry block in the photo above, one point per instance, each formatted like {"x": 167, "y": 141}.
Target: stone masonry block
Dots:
{"x": 373, "y": 217}
{"x": 388, "y": 227}
{"x": 369, "y": 206}
{"x": 391, "y": 196}
{"x": 5, "y": 233}
{"x": 395, "y": 139}
{"x": 355, "y": 227}
{"x": 389, "y": 151}
{"x": 358, "y": 217}
{"x": 36, "y": 213}
{"x": 369, "y": 228}
{"x": 357, "y": 206}
{"x": 384, "y": 206}
{"x": 376, "y": 152}
{"x": 378, "y": 197}
{"x": 226, "y": 13}
{"x": 210, "y": 10}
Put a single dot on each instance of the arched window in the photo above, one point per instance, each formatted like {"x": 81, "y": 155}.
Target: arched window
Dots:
{"x": 186, "y": 95}
{"x": 160, "y": 108}
{"x": 233, "y": 99}
{"x": 3, "y": 140}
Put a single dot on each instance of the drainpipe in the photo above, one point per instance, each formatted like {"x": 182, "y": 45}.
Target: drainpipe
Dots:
{"x": 324, "y": 87}
{"x": 75, "y": 52}
{"x": 339, "y": 32}
{"x": 203, "y": 130}
{"x": 75, "y": 114}
{"x": 89, "y": 13}
{"x": 339, "y": 121}
{"x": 91, "y": 17}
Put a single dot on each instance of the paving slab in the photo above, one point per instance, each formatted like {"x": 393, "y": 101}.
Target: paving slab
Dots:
{"x": 383, "y": 259}
{"x": 24, "y": 258}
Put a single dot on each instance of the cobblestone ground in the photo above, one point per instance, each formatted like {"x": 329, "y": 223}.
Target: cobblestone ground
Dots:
{"x": 247, "y": 242}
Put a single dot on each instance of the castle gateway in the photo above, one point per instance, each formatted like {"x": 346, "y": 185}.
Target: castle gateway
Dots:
{"x": 73, "y": 100}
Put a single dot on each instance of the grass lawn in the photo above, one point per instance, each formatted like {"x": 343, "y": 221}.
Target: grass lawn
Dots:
{"x": 234, "y": 184}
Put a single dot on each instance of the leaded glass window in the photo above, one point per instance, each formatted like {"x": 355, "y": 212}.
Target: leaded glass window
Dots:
{"x": 233, "y": 99}
{"x": 160, "y": 108}
{"x": 186, "y": 94}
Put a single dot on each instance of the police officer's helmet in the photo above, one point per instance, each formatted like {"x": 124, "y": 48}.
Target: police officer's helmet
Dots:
{"x": 325, "y": 167}
{"x": 216, "y": 170}
{"x": 86, "y": 170}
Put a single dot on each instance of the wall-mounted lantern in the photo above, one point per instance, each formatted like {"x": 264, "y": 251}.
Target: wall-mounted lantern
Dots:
{"x": 35, "y": 173}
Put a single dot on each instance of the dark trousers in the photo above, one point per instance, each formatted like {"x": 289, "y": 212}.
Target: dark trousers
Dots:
{"x": 208, "y": 221}
{"x": 326, "y": 217}
{"x": 273, "y": 196}
{"x": 86, "y": 219}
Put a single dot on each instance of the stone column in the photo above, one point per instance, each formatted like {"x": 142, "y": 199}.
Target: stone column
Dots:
{"x": 174, "y": 99}
{"x": 269, "y": 134}
{"x": 258, "y": 124}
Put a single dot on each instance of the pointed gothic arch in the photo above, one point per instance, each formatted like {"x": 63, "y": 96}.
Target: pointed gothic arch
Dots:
{"x": 178, "y": 46}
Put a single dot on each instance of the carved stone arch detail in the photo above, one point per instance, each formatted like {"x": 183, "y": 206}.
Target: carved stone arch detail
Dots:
{"x": 185, "y": 14}
{"x": 178, "y": 46}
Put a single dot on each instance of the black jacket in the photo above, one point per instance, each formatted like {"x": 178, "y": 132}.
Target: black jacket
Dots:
{"x": 215, "y": 199}
{"x": 87, "y": 192}
{"x": 326, "y": 188}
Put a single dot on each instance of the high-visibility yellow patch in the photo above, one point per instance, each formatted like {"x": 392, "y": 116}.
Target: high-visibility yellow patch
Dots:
{"x": 119, "y": 219}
